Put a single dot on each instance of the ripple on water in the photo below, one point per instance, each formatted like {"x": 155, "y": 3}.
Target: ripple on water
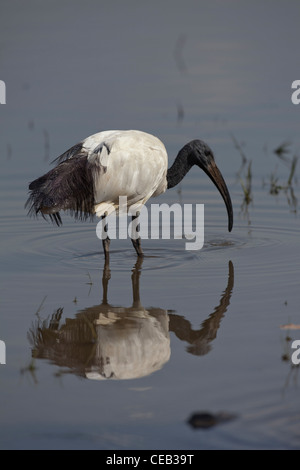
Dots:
{"x": 78, "y": 246}
{"x": 266, "y": 248}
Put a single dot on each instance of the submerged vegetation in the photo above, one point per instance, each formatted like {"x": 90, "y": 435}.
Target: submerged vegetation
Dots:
{"x": 245, "y": 180}
{"x": 275, "y": 185}
{"x": 288, "y": 187}
{"x": 247, "y": 186}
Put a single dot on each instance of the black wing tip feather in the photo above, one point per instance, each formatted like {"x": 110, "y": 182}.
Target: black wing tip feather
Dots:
{"x": 35, "y": 211}
{"x": 71, "y": 152}
{"x": 69, "y": 186}
{"x": 55, "y": 218}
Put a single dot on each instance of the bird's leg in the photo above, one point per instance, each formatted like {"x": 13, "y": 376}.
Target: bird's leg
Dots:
{"x": 105, "y": 278}
{"x": 106, "y": 240}
{"x": 137, "y": 241}
{"x": 136, "y": 272}
{"x": 137, "y": 246}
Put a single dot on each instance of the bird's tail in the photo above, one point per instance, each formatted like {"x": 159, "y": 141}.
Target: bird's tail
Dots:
{"x": 69, "y": 186}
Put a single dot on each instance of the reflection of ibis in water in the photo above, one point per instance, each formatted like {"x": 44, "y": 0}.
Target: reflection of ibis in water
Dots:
{"x": 90, "y": 177}
{"x": 107, "y": 342}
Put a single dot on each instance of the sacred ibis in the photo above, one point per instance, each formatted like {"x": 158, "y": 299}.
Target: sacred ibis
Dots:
{"x": 89, "y": 177}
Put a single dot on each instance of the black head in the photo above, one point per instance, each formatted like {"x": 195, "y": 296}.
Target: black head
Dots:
{"x": 200, "y": 154}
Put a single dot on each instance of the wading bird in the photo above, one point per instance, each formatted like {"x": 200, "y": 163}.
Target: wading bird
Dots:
{"x": 89, "y": 177}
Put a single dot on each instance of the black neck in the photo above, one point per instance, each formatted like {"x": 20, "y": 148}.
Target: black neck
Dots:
{"x": 182, "y": 164}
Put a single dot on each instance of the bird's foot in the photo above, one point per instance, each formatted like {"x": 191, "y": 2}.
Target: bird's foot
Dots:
{"x": 138, "y": 247}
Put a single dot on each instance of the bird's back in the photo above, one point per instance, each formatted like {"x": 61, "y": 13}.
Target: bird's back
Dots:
{"x": 135, "y": 166}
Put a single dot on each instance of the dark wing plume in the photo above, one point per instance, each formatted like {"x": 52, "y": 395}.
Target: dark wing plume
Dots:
{"x": 71, "y": 152}
{"x": 68, "y": 186}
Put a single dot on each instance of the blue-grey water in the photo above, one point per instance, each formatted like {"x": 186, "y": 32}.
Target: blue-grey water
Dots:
{"x": 119, "y": 357}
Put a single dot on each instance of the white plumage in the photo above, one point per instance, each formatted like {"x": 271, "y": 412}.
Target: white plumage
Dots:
{"x": 138, "y": 175}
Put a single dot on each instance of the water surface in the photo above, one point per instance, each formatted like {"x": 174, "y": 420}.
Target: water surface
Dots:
{"x": 120, "y": 356}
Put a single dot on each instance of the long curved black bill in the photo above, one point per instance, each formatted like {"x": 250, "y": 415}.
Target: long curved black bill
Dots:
{"x": 215, "y": 175}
